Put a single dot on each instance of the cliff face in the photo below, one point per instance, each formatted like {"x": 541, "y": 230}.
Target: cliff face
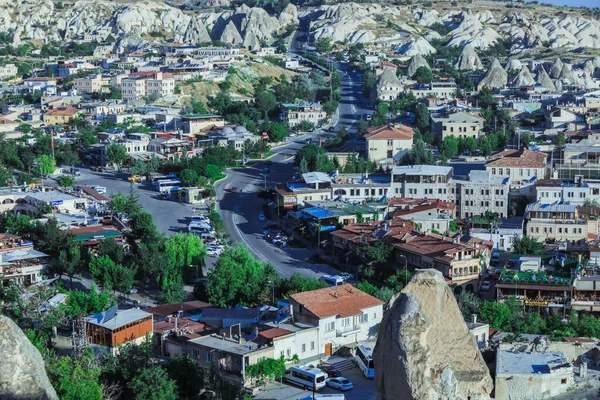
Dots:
{"x": 22, "y": 371}
{"x": 424, "y": 350}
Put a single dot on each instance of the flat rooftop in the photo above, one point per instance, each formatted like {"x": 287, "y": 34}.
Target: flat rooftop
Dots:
{"x": 522, "y": 363}
{"x": 421, "y": 170}
{"x": 120, "y": 318}
{"x": 228, "y": 345}
{"x": 51, "y": 196}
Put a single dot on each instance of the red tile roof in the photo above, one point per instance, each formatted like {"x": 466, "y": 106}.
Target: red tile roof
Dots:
{"x": 407, "y": 206}
{"x": 390, "y": 132}
{"x": 274, "y": 333}
{"x": 188, "y": 307}
{"x": 344, "y": 300}
{"x": 434, "y": 246}
{"x": 518, "y": 159}
{"x": 66, "y": 110}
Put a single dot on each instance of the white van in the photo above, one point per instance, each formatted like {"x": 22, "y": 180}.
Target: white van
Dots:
{"x": 334, "y": 396}
{"x": 332, "y": 280}
{"x": 306, "y": 377}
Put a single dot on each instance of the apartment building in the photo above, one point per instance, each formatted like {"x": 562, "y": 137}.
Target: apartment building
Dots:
{"x": 140, "y": 84}
{"x": 312, "y": 186}
{"x": 356, "y": 235}
{"x": 200, "y": 52}
{"x": 388, "y": 86}
{"x": 553, "y": 191}
{"x": 459, "y": 262}
{"x": 558, "y": 225}
{"x": 581, "y": 159}
{"x": 428, "y": 215}
{"x": 503, "y": 234}
{"x": 8, "y": 71}
{"x": 68, "y": 68}
{"x": 344, "y": 315}
{"x": 195, "y": 124}
{"x": 560, "y": 118}
{"x": 442, "y": 90}
{"x": 20, "y": 264}
{"x": 421, "y": 181}
{"x": 60, "y": 115}
{"x": 522, "y": 167}
{"x": 387, "y": 144}
{"x": 92, "y": 84}
{"x": 458, "y": 124}
{"x": 360, "y": 187}
{"x": 480, "y": 193}
{"x": 294, "y": 114}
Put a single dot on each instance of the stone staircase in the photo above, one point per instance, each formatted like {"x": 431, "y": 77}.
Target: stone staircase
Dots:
{"x": 340, "y": 363}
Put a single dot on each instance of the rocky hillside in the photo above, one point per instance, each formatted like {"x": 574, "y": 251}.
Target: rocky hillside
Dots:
{"x": 407, "y": 29}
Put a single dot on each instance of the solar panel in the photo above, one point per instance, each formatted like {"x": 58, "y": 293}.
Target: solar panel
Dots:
{"x": 110, "y": 314}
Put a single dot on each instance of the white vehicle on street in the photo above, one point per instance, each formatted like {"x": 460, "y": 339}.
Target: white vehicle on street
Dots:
{"x": 99, "y": 189}
{"x": 306, "y": 377}
{"x": 214, "y": 250}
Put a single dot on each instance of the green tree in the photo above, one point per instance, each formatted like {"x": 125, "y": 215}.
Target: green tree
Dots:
{"x": 423, "y": 75}
{"x": 189, "y": 177}
{"x": 303, "y": 167}
{"x": 213, "y": 171}
{"x": 153, "y": 384}
{"x": 184, "y": 250}
{"x": 118, "y": 202}
{"x": 68, "y": 263}
{"x": 323, "y": 44}
{"x": 116, "y": 153}
{"x": 5, "y": 176}
{"x": 65, "y": 180}
{"x": 188, "y": 375}
{"x": 238, "y": 278}
{"x": 109, "y": 275}
{"x": 422, "y": 117}
{"x": 46, "y": 164}
{"x": 278, "y": 131}
{"x": 265, "y": 102}
{"x": 448, "y": 147}
{"x": 297, "y": 284}
{"x": 497, "y": 314}
{"x": 591, "y": 203}
{"x": 306, "y": 126}
{"x": 80, "y": 303}
{"x": 142, "y": 226}
{"x": 527, "y": 245}
{"x": 267, "y": 369}
{"x": 76, "y": 378}
{"x": 367, "y": 287}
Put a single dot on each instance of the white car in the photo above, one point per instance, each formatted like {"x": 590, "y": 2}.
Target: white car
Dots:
{"x": 99, "y": 189}
{"x": 340, "y": 383}
{"x": 485, "y": 286}
{"x": 214, "y": 250}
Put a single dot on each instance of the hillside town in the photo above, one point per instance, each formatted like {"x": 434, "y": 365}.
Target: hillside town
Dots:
{"x": 303, "y": 200}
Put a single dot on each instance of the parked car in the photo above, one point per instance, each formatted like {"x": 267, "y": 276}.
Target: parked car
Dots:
{"x": 132, "y": 290}
{"x": 330, "y": 371}
{"x": 214, "y": 250}
{"x": 234, "y": 189}
{"x": 134, "y": 178}
{"x": 485, "y": 286}
{"x": 339, "y": 383}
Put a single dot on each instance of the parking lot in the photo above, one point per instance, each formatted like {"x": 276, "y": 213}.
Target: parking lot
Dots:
{"x": 363, "y": 389}
{"x": 170, "y": 216}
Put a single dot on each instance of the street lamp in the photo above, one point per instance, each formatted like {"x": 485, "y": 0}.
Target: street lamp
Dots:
{"x": 405, "y": 269}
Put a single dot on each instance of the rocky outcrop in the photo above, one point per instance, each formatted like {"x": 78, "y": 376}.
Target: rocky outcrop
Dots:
{"x": 496, "y": 77}
{"x": 288, "y": 16}
{"x": 231, "y": 35}
{"x": 415, "y": 63}
{"x": 420, "y": 46}
{"x": 471, "y": 30}
{"x": 556, "y": 69}
{"x": 196, "y": 32}
{"x": 544, "y": 79}
{"x": 22, "y": 372}
{"x": 524, "y": 78}
{"x": 468, "y": 59}
{"x": 424, "y": 350}
{"x": 513, "y": 65}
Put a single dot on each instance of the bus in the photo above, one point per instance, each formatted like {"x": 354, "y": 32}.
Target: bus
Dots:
{"x": 332, "y": 280}
{"x": 306, "y": 377}
{"x": 364, "y": 359}
{"x": 156, "y": 178}
{"x": 168, "y": 185}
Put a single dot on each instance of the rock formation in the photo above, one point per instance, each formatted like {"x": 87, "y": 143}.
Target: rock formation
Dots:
{"x": 231, "y": 35}
{"x": 420, "y": 46}
{"x": 471, "y": 30}
{"x": 556, "y": 69}
{"x": 22, "y": 372}
{"x": 196, "y": 32}
{"x": 544, "y": 80}
{"x": 513, "y": 65}
{"x": 468, "y": 59}
{"x": 496, "y": 77}
{"x": 524, "y": 78}
{"x": 415, "y": 63}
{"x": 424, "y": 350}
{"x": 288, "y": 16}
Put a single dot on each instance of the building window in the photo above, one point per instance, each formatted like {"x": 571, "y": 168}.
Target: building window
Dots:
{"x": 304, "y": 348}
{"x": 563, "y": 381}
{"x": 345, "y": 322}
{"x": 330, "y": 326}
{"x": 289, "y": 353}
{"x": 363, "y": 318}
{"x": 195, "y": 353}
{"x": 210, "y": 357}
{"x": 312, "y": 345}
{"x": 520, "y": 172}
{"x": 493, "y": 171}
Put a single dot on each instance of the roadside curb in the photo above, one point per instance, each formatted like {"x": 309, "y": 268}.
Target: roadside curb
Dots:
{"x": 219, "y": 180}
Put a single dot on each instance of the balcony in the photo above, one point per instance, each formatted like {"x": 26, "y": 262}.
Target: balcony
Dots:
{"x": 347, "y": 330}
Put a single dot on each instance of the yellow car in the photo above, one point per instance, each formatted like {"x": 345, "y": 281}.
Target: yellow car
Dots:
{"x": 134, "y": 178}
